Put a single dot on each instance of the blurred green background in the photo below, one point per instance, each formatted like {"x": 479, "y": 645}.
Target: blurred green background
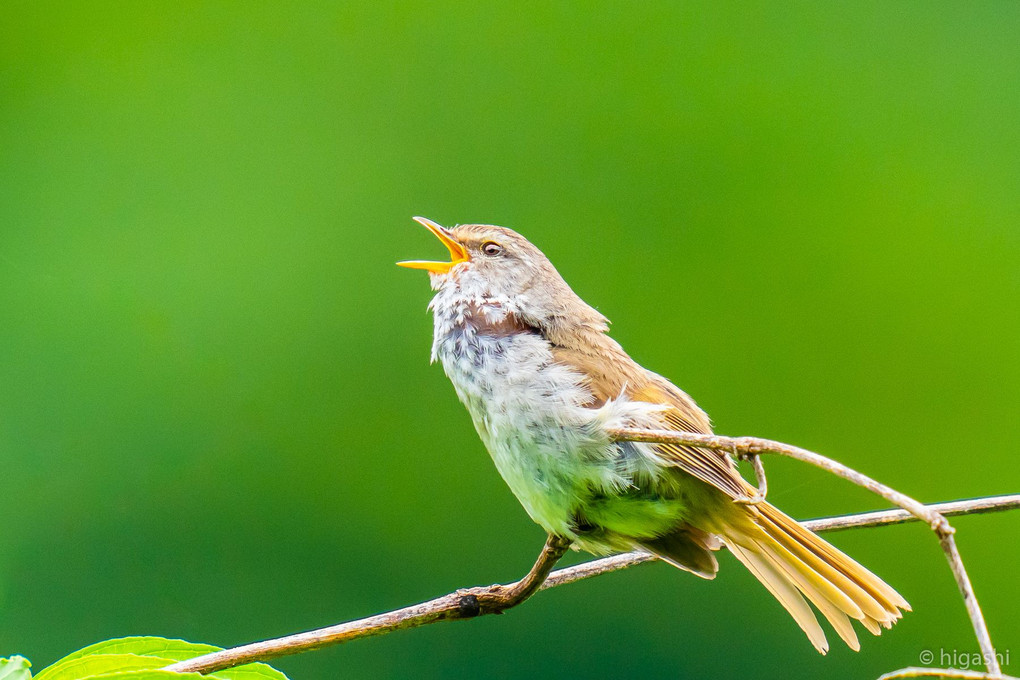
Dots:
{"x": 217, "y": 416}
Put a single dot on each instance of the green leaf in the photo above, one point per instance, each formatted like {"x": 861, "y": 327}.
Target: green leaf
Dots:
{"x": 141, "y": 658}
{"x": 252, "y": 671}
{"x": 100, "y": 664}
{"x": 255, "y": 671}
{"x": 151, "y": 675}
{"x": 15, "y": 668}
{"x": 176, "y": 650}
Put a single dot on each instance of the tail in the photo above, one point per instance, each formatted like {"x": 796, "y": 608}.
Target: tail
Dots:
{"x": 795, "y": 564}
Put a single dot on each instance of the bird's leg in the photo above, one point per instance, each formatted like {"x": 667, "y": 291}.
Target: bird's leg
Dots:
{"x": 759, "y": 477}
{"x": 498, "y": 598}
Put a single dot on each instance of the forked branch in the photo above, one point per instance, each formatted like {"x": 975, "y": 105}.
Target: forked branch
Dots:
{"x": 752, "y": 447}
{"x": 471, "y": 602}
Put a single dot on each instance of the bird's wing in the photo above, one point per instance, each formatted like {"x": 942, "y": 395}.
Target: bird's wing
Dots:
{"x": 714, "y": 467}
{"x": 636, "y": 383}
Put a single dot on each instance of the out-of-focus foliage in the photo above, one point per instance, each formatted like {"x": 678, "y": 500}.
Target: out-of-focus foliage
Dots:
{"x": 217, "y": 417}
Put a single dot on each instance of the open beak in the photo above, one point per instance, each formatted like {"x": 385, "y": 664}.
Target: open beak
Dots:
{"x": 457, "y": 252}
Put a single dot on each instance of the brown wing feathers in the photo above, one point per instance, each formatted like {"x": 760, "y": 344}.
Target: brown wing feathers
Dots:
{"x": 713, "y": 467}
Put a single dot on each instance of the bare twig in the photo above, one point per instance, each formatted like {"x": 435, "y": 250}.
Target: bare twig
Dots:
{"x": 753, "y": 446}
{"x": 761, "y": 481}
{"x": 466, "y": 603}
{"x": 749, "y": 446}
{"x": 471, "y": 602}
{"x": 826, "y": 524}
{"x": 959, "y": 673}
{"x": 973, "y": 506}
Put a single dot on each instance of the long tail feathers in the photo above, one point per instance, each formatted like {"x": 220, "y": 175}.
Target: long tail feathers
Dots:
{"x": 795, "y": 564}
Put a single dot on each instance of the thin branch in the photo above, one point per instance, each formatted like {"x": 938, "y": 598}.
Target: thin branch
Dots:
{"x": 472, "y": 602}
{"x": 466, "y": 603}
{"x": 973, "y": 506}
{"x": 753, "y": 446}
{"x": 959, "y": 673}
{"x": 824, "y": 525}
{"x": 761, "y": 481}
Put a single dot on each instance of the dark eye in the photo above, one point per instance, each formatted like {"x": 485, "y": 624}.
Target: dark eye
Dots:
{"x": 492, "y": 249}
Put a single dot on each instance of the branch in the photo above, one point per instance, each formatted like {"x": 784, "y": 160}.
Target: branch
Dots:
{"x": 751, "y": 447}
{"x": 957, "y": 673}
{"x": 880, "y": 518}
{"x": 472, "y": 602}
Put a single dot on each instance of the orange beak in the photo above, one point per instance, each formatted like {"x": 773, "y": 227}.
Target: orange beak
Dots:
{"x": 457, "y": 252}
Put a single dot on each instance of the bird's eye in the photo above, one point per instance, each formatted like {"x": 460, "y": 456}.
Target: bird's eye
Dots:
{"x": 492, "y": 249}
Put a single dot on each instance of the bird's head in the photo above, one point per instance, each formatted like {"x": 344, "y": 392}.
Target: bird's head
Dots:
{"x": 496, "y": 263}
{"x": 485, "y": 259}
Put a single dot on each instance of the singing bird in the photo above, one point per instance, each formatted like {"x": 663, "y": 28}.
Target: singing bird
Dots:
{"x": 544, "y": 383}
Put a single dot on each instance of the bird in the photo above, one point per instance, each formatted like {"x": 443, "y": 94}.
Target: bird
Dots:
{"x": 544, "y": 384}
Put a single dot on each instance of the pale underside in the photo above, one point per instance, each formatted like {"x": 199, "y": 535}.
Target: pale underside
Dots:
{"x": 534, "y": 416}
